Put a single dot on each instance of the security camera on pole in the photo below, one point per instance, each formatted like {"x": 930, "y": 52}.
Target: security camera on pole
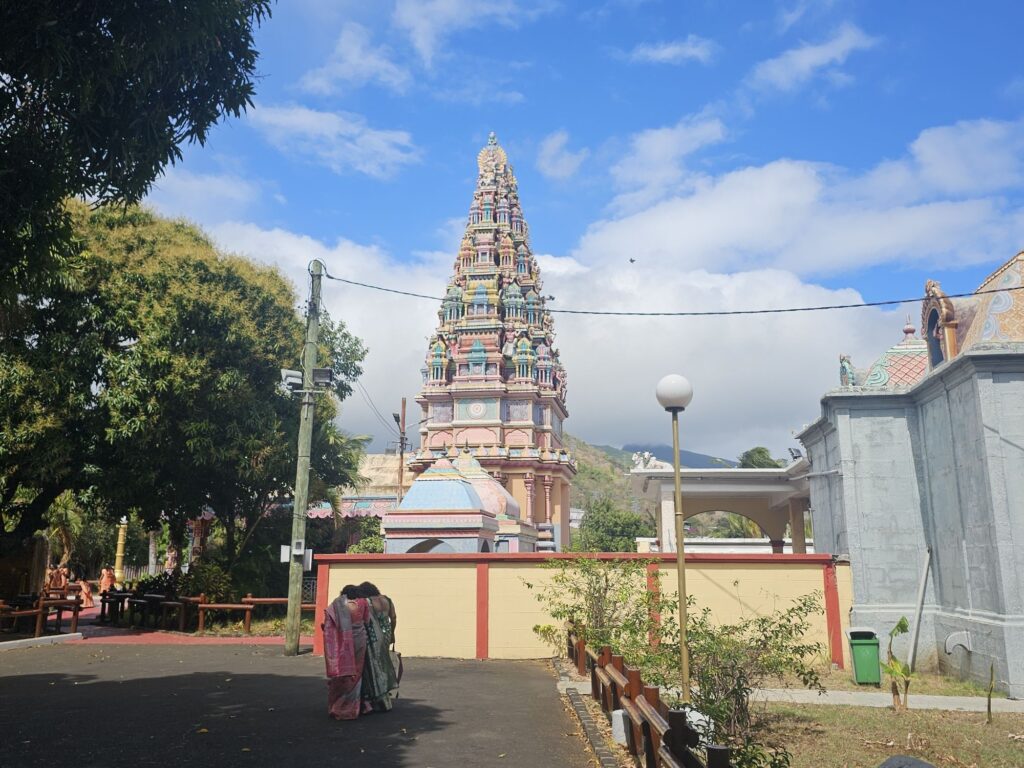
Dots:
{"x": 312, "y": 378}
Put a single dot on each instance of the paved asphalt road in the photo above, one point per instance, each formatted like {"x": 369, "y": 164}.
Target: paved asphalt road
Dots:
{"x": 89, "y": 705}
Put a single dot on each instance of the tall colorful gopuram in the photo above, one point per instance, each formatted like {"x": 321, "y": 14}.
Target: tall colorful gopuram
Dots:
{"x": 493, "y": 381}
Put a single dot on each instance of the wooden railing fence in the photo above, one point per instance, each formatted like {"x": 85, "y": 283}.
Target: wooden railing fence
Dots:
{"x": 657, "y": 737}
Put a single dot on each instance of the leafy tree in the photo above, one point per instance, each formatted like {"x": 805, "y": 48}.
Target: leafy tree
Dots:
{"x": 96, "y": 99}
{"x": 606, "y": 528}
{"x": 759, "y": 458}
{"x": 152, "y": 377}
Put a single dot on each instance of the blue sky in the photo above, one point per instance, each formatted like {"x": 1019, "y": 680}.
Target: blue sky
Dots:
{"x": 746, "y": 154}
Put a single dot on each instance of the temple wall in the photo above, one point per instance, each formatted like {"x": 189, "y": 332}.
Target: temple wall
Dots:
{"x": 479, "y": 606}
{"x": 943, "y": 467}
{"x": 436, "y": 602}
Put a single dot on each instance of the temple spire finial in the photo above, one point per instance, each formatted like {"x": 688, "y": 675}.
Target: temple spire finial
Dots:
{"x": 492, "y": 139}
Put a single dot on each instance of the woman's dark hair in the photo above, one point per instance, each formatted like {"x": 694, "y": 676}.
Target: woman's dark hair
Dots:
{"x": 369, "y": 590}
{"x": 351, "y": 591}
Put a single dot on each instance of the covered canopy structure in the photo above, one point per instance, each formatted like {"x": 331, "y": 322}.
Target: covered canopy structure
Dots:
{"x": 772, "y": 498}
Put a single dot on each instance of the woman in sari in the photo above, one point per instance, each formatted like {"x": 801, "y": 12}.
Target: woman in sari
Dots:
{"x": 87, "y": 601}
{"x": 381, "y": 678}
{"x": 345, "y": 653}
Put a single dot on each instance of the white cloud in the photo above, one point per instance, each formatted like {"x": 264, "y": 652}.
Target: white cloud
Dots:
{"x": 792, "y": 15}
{"x": 796, "y": 215}
{"x": 203, "y": 197}
{"x": 973, "y": 157}
{"x": 428, "y": 22}
{"x": 394, "y": 328}
{"x": 557, "y": 162}
{"x": 355, "y": 62}
{"x": 558, "y": 266}
{"x": 476, "y": 90}
{"x": 748, "y": 238}
{"x": 756, "y": 378}
{"x": 653, "y": 166}
{"x": 341, "y": 141}
{"x": 766, "y": 374}
{"x": 692, "y": 48}
{"x": 799, "y": 65}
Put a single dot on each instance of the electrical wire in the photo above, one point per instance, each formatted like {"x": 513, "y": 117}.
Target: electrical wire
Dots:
{"x": 369, "y": 401}
{"x": 708, "y": 313}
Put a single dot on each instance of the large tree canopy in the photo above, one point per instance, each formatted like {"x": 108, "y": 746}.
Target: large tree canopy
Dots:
{"x": 607, "y": 528}
{"x": 97, "y": 97}
{"x": 151, "y": 376}
{"x": 759, "y": 457}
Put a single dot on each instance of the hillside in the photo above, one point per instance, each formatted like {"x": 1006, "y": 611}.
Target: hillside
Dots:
{"x": 686, "y": 458}
{"x": 604, "y": 470}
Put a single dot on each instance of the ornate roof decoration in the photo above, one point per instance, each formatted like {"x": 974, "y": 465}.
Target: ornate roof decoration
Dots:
{"x": 948, "y": 327}
{"x": 493, "y": 319}
{"x": 902, "y": 365}
{"x": 999, "y": 316}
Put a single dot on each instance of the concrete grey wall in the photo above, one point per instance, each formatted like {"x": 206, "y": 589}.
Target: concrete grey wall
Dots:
{"x": 940, "y": 466}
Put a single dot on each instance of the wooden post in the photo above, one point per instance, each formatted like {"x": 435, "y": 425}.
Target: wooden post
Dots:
{"x": 616, "y": 697}
{"x": 603, "y": 661}
{"x": 201, "y": 618}
{"x": 634, "y": 691}
{"x": 581, "y": 657}
{"x": 247, "y": 621}
{"x": 718, "y": 757}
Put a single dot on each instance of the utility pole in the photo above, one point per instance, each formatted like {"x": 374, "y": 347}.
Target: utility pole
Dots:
{"x": 291, "y": 625}
{"x": 400, "y": 420}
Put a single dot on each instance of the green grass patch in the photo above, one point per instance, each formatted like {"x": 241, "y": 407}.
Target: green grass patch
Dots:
{"x": 828, "y": 736}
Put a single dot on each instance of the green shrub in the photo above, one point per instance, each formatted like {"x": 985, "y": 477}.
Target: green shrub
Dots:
{"x": 210, "y": 580}
{"x": 160, "y": 584}
{"x": 610, "y": 604}
{"x": 368, "y": 546}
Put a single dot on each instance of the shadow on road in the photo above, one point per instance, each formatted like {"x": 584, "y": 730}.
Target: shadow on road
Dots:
{"x": 208, "y": 718}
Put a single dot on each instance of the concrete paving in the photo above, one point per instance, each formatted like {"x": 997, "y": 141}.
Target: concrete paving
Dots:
{"x": 87, "y": 704}
{"x": 881, "y": 700}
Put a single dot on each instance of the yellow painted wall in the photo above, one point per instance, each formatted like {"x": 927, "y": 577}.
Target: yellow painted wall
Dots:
{"x": 737, "y": 591}
{"x": 514, "y": 611}
{"x": 435, "y": 603}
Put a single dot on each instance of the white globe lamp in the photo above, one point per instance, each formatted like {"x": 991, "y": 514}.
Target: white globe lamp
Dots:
{"x": 674, "y": 392}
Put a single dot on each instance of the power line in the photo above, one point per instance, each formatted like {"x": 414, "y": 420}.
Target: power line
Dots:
{"x": 377, "y": 413}
{"x": 709, "y": 313}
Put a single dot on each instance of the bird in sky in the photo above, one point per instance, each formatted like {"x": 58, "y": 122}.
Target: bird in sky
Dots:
{"x": 632, "y": 261}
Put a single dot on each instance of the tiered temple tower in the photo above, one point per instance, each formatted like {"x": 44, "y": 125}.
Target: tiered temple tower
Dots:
{"x": 493, "y": 381}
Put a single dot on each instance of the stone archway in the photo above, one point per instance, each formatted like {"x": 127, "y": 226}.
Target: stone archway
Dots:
{"x": 435, "y": 546}
{"x": 736, "y": 524}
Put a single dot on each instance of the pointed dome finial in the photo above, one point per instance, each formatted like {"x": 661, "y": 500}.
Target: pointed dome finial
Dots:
{"x": 492, "y": 139}
{"x": 909, "y": 330}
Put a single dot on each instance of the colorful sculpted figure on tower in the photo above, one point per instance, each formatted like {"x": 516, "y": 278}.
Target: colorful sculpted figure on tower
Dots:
{"x": 493, "y": 381}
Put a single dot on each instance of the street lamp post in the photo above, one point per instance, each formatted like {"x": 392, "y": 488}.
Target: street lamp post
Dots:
{"x": 674, "y": 393}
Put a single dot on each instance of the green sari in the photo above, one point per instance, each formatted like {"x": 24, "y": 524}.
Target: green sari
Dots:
{"x": 380, "y": 679}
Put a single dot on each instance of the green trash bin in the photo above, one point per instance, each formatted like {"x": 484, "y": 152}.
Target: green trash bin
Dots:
{"x": 867, "y": 669}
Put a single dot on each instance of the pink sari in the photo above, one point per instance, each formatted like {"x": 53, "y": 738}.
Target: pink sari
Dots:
{"x": 345, "y": 655}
